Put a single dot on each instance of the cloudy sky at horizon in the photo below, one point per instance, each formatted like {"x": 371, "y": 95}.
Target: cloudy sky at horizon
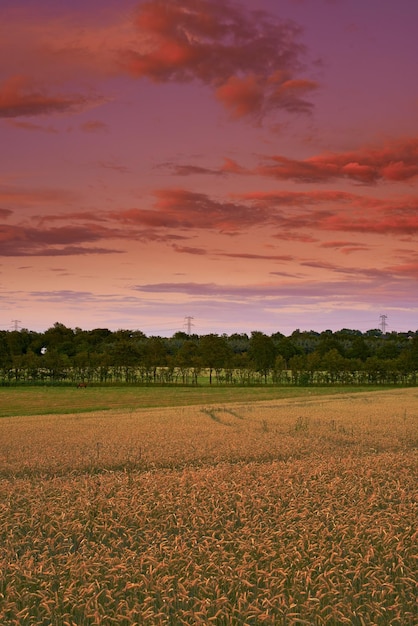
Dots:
{"x": 250, "y": 164}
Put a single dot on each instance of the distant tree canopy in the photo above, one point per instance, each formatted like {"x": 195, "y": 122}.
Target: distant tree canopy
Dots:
{"x": 62, "y": 354}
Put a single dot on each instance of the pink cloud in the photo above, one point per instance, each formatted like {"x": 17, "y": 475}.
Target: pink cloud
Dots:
{"x": 191, "y": 170}
{"x": 248, "y": 58}
{"x": 180, "y": 208}
{"x": 241, "y": 96}
{"x": 176, "y": 214}
{"x": 346, "y": 246}
{"x": 290, "y": 94}
{"x": 278, "y": 292}
{"x": 94, "y": 126}
{"x": 405, "y": 269}
{"x": 19, "y": 98}
{"x": 395, "y": 161}
{"x": 230, "y": 166}
{"x": 189, "y": 250}
{"x": 257, "y": 257}
{"x": 31, "y": 127}
{"x": 289, "y": 213}
{"x": 24, "y": 241}
{"x": 379, "y": 224}
{"x": 233, "y": 255}
{"x": 302, "y": 198}
{"x": 347, "y": 213}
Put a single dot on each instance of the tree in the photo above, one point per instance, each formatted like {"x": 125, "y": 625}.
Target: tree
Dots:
{"x": 186, "y": 358}
{"x": 286, "y": 348}
{"x": 5, "y": 356}
{"x": 215, "y": 353}
{"x": 154, "y": 355}
{"x": 262, "y": 353}
{"x": 334, "y": 364}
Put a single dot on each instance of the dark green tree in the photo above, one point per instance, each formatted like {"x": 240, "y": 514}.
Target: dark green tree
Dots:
{"x": 215, "y": 354}
{"x": 262, "y": 353}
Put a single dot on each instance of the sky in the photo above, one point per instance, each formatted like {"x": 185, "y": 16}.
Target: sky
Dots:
{"x": 207, "y": 165}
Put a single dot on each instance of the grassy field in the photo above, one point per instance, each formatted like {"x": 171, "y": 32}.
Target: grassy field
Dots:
{"x": 229, "y": 511}
{"x": 21, "y": 400}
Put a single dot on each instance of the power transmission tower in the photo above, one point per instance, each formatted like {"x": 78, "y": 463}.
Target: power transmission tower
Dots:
{"x": 383, "y": 319}
{"x": 15, "y": 324}
{"x": 189, "y": 324}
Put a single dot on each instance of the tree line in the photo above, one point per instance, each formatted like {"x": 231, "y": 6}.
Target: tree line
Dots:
{"x": 66, "y": 355}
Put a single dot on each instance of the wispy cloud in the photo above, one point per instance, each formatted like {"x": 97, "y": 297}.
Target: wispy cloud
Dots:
{"x": 188, "y": 210}
{"x": 290, "y": 289}
{"x": 339, "y": 211}
{"x": 233, "y": 255}
{"x": 94, "y": 126}
{"x": 177, "y": 214}
{"x": 31, "y": 127}
{"x": 18, "y": 241}
{"x": 20, "y": 98}
{"x": 394, "y": 161}
{"x": 229, "y": 166}
{"x": 191, "y": 170}
{"x": 346, "y": 247}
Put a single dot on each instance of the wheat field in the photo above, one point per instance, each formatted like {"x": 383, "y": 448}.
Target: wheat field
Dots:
{"x": 280, "y": 512}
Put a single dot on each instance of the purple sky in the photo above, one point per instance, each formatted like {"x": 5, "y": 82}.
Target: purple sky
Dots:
{"x": 252, "y": 165}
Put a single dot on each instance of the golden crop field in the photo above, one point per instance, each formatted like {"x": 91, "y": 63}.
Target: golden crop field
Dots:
{"x": 279, "y": 512}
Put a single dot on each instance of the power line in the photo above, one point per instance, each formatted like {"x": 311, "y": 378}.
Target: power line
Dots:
{"x": 189, "y": 324}
{"x": 383, "y": 319}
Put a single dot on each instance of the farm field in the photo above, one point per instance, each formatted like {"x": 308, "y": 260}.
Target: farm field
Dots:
{"x": 33, "y": 400}
{"x": 292, "y": 510}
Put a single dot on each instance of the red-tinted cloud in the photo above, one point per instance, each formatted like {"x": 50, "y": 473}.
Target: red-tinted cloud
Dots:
{"x": 394, "y": 161}
{"x": 346, "y": 247}
{"x": 233, "y": 255}
{"x": 273, "y": 199}
{"x": 65, "y": 240}
{"x": 229, "y": 166}
{"x": 289, "y": 213}
{"x": 405, "y": 269}
{"x": 19, "y": 98}
{"x": 242, "y": 95}
{"x": 189, "y": 250}
{"x": 257, "y": 257}
{"x": 180, "y": 208}
{"x": 191, "y": 170}
{"x": 177, "y": 214}
{"x": 249, "y": 58}
{"x": 232, "y": 167}
{"x": 346, "y": 213}
{"x": 94, "y": 126}
{"x": 31, "y": 127}
{"x": 374, "y": 223}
